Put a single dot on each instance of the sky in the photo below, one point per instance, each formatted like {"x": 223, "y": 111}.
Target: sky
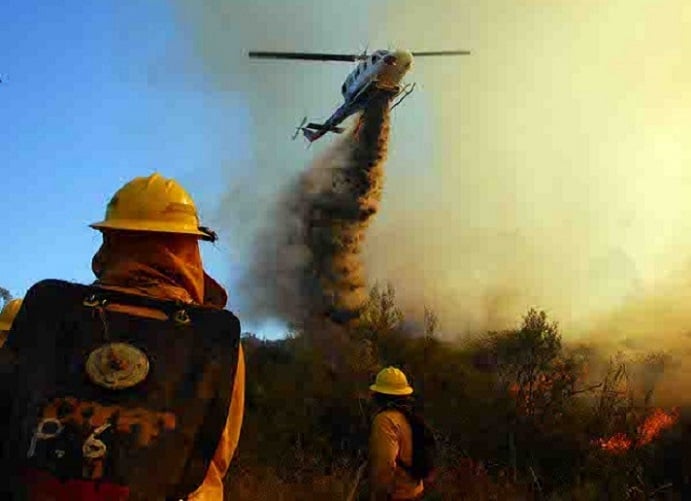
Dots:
{"x": 92, "y": 96}
{"x": 549, "y": 168}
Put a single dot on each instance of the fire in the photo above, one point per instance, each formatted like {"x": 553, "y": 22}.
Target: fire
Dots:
{"x": 654, "y": 424}
{"x": 616, "y": 444}
{"x": 646, "y": 432}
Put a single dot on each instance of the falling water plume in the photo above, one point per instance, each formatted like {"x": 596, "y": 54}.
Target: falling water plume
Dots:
{"x": 308, "y": 262}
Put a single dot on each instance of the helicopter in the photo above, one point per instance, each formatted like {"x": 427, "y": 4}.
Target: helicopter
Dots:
{"x": 379, "y": 73}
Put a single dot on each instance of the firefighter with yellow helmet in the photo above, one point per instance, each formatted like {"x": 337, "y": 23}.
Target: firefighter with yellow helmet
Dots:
{"x": 131, "y": 387}
{"x": 9, "y": 311}
{"x": 400, "y": 443}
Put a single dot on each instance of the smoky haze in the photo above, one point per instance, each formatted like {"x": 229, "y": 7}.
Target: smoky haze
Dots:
{"x": 548, "y": 168}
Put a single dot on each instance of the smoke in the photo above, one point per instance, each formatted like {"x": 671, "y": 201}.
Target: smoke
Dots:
{"x": 555, "y": 175}
{"x": 546, "y": 169}
{"x": 655, "y": 322}
{"x": 307, "y": 263}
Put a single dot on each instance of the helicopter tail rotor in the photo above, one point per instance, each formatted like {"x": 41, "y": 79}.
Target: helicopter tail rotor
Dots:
{"x": 300, "y": 128}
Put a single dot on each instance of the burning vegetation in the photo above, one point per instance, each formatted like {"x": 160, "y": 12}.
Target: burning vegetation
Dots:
{"x": 518, "y": 413}
{"x": 652, "y": 426}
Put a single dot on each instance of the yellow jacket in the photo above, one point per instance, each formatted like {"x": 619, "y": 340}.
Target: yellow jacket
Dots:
{"x": 390, "y": 438}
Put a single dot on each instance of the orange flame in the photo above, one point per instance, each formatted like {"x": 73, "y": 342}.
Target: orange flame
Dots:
{"x": 646, "y": 432}
{"x": 616, "y": 444}
{"x": 655, "y": 424}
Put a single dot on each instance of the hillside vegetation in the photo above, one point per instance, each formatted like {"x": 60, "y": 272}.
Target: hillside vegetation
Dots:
{"x": 519, "y": 414}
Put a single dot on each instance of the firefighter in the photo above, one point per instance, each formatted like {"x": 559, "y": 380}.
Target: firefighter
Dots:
{"x": 391, "y": 439}
{"x": 131, "y": 387}
{"x": 9, "y": 311}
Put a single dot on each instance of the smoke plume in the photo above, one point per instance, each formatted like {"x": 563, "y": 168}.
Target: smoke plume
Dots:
{"x": 547, "y": 169}
{"x": 308, "y": 261}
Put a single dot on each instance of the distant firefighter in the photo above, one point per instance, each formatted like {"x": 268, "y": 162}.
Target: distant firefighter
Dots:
{"x": 401, "y": 446}
{"x": 131, "y": 387}
{"x": 9, "y": 311}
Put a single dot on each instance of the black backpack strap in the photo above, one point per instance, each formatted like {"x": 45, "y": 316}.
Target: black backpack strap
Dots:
{"x": 407, "y": 468}
{"x": 96, "y": 296}
{"x": 215, "y": 422}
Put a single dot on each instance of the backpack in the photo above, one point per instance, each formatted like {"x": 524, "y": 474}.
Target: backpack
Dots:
{"x": 424, "y": 449}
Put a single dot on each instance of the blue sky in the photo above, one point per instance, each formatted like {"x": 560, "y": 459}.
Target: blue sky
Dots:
{"x": 94, "y": 94}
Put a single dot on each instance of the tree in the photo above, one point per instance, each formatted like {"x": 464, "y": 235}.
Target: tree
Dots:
{"x": 5, "y": 294}
{"x": 431, "y": 323}
{"x": 380, "y": 316}
{"x": 524, "y": 357}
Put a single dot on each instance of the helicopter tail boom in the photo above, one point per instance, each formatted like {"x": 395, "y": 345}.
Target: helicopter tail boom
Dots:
{"x": 312, "y": 125}
{"x": 313, "y": 131}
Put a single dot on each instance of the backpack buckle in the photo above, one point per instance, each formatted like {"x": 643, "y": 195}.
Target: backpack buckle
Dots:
{"x": 93, "y": 301}
{"x": 181, "y": 317}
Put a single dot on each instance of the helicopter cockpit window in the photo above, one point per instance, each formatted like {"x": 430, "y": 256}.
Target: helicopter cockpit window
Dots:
{"x": 375, "y": 58}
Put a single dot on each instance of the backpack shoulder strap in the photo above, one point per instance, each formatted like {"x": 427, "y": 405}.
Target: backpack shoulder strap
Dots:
{"x": 217, "y": 413}
{"x": 101, "y": 296}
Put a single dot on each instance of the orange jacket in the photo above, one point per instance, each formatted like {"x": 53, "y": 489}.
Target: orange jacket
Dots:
{"x": 391, "y": 437}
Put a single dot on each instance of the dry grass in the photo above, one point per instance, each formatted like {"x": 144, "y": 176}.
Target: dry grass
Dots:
{"x": 465, "y": 482}
{"x": 265, "y": 484}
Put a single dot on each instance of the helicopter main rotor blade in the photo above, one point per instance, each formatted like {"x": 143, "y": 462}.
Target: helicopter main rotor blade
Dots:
{"x": 305, "y": 56}
{"x": 442, "y": 53}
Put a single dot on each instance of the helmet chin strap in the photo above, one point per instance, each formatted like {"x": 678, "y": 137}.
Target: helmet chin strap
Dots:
{"x": 212, "y": 236}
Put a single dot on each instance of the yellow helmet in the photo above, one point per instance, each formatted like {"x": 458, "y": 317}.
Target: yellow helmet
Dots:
{"x": 391, "y": 381}
{"x": 153, "y": 204}
{"x": 9, "y": 311}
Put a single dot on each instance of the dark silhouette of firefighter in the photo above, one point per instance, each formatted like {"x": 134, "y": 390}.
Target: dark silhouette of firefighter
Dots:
{"x": 131, "y": 387}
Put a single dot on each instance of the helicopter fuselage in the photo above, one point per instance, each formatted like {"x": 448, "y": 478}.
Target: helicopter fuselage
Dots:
{"x": 383, "y": 68}
{"x": 380, "y": 72}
